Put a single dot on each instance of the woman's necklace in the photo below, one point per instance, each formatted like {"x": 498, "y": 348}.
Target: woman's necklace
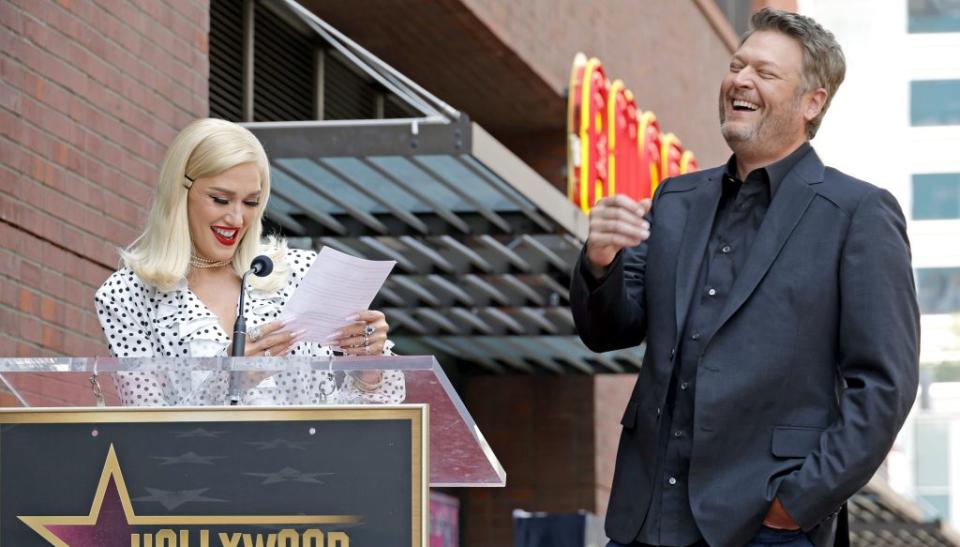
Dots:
{"x": 202, "y": 263}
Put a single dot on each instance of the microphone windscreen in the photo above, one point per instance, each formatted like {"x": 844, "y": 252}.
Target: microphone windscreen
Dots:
{"x": 261, "y": 266}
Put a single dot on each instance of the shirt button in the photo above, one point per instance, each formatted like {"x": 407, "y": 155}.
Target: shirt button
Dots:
{"x": 712, "y": 292}
{"x": 695, "y": 336}
{"x": 726, "y": 249}
{"x": 658, "y": 411}
{"x": 683, "y": 386}
{"x": 672, "y": 481}
{"x": 678, "y": 434}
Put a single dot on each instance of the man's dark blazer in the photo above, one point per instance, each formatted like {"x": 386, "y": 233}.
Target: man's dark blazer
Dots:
{"x": 807, "y": 377}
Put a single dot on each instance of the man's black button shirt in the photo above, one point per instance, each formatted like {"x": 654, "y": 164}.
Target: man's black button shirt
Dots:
{"x": 742, "y": 207}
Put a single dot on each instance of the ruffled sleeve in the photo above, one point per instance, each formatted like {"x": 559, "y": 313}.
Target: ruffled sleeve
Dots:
{"x": 123, "y": 315}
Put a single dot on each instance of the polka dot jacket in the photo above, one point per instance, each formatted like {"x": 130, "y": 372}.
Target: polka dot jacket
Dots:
{"x": 140, "y": 320}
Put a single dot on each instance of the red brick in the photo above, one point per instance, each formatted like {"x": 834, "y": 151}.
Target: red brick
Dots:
{"x": 91, "y": 326}
{"x": 27, "y": 301}
{"x": 9, "y": 263}
{"x": 36, "y": 32}
{"x": 30, "y": 328}
{"x": 9, "y": 179}
{"x": 11, "y": 17}
{"x": 91, "y": 93}
{"x": 75, "y": 293}
{"x": 52, "y": 337}
{"x": 109, "y": 104}
{"x": 50, "y": 311}
{"x": 9, "y": 97}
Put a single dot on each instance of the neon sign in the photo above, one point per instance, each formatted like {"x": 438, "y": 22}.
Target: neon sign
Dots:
{"x": 613, "y": 146}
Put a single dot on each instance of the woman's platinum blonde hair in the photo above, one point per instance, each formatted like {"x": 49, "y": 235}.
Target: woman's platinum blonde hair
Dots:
{"x": 204, "y": 148}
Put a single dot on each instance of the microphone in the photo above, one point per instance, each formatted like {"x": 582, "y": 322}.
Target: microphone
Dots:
{"x": 261, "y": 266}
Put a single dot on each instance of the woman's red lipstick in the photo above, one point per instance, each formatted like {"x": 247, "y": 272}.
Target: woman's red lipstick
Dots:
{"x": 222, "y": 239}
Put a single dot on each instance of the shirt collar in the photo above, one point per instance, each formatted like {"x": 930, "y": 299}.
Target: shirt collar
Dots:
{"x": 775, "y": 172}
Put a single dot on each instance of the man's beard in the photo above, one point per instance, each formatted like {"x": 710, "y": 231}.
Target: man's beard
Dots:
{"x": 743, "y": 133}
{"x": 761, "y": 134}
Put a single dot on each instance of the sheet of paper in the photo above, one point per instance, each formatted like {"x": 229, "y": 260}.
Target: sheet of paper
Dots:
{"x": 337, "y": 286}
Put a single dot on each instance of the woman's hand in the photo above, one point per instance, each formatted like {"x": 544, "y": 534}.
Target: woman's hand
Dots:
{"x": 270, "y": 339}
{"x": 365, "y": 334}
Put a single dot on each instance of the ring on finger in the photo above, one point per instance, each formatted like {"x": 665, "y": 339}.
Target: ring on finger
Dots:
{"x": 254, "y": 334}
{"x": 369, "y": 330}
{"x": 266, "y": 352}
{"x": 366, "y": 339}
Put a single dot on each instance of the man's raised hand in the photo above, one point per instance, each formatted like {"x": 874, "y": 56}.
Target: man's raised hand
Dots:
{"x": 616, "y": 223}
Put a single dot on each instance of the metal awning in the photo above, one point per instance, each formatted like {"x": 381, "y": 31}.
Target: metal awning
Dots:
{"x": 879, "y": 517}
{"x": 484, "y": 246}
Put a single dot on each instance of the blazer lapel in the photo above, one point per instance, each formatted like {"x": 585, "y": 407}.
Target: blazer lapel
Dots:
{"x": 788, "y": 205}
{"x": 696, "y": 232}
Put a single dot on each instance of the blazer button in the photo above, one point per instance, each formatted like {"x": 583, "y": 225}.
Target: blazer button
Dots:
{"x": 658, "y": 411}
{"x": 673, "y": 352}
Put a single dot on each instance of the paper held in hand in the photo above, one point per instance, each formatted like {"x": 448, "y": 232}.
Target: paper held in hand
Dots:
{"x": 337, "y": 286}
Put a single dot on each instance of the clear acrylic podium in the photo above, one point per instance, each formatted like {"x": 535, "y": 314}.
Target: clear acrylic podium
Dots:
{"x": 459, "y": 454}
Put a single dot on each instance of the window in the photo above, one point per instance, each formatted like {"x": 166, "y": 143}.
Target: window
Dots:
{"x": 290, "y": 64}
{"x": 933, "y": 466}
{"x": 935, "y": 102}
{"x": 226, "y": 60}
{"x": 938, "y": 290}
{"x": 936, "y": 196}
{"x": 933, "y": 16}
{"x": 283, "y": 68}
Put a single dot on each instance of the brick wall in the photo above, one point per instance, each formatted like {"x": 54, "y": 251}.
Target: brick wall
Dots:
{"x": 540, "y": 429}
{"x": 667, "y": 53}
{"x": 91, "y": 93}
{"x": 556, "y": 437}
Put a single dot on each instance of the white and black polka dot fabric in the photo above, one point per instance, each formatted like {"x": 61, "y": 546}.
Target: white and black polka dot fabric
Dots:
{"x": 140, "y": 320}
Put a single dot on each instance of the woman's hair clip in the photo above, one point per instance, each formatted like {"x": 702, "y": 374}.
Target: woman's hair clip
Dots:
{"x": 188, "y": 177}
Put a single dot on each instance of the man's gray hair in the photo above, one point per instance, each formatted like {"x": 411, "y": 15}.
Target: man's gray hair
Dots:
{"x": 823, "y": 62}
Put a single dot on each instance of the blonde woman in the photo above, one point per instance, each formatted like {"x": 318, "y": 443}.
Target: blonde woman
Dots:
{"x": 176, "y": 294}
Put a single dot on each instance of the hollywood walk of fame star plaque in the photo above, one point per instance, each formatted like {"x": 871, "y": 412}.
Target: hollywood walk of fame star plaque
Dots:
{"x": 343, "y": 476}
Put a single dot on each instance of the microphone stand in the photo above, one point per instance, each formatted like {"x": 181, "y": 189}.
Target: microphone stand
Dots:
{"x": 240, "y": 325}
{"x": 261, "y": 266}
{"x": 239, "y": 339}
